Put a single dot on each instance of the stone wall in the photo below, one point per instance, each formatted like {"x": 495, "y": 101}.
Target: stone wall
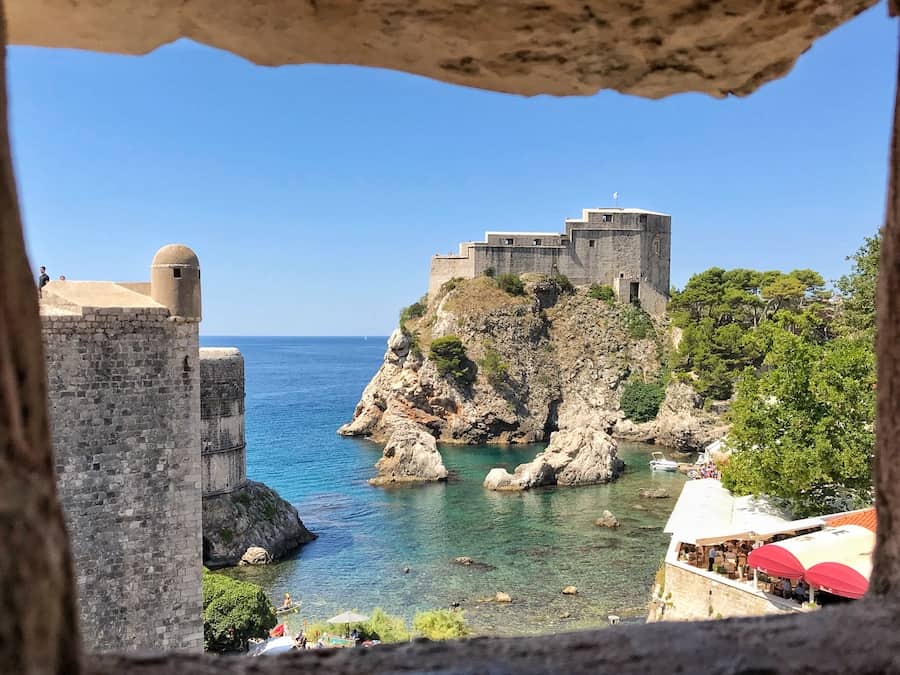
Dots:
{"x": 125, "y": 419}
{"x": 444, "y": 268}
{"x": 222, "y": 420}
{"x": 691, "y": 596}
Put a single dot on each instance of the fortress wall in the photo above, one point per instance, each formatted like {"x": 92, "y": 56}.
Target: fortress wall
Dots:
{"x": 444, "y": 268}
{"x": 224, "y": 465}
{"x": 124, "y": 401}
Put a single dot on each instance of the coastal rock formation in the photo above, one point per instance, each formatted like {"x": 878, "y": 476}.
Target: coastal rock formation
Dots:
{"x": 410, "y": 455}
{"x": 255, "y": 555}
{"x": 252, "y": 516}
{"x": 570, "y": 590}
{"x": 654, "y": 493}
{"x": 579, "y": 456}
{"x": 546, "y": 361}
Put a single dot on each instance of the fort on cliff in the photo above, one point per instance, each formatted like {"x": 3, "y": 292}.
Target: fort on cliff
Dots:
{"x": 627, "y": 249}
{"x": 148, "y": 433}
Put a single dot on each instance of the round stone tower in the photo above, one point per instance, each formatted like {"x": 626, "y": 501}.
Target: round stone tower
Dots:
{"x": 222, "y": 420}
{"x": 175, "y": 281}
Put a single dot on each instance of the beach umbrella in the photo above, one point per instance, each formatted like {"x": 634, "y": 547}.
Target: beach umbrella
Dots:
{"x": 348, "y": 618}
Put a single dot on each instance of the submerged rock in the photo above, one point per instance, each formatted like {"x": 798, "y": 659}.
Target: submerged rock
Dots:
{"x": 251, "y": 516}
{"x": 502, "y": 597}
{"x": 582, "y": 455}
{"x": 607, "y": 520}
{"x": 570, "y": 590}
{"x": 410, "y": 455}
{"x": 654, "y": 493}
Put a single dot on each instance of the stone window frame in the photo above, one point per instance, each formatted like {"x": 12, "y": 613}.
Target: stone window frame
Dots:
{"x": 536, "y": 242}
{"x": 509, "y": 241}
{"x": 39, "y": 627}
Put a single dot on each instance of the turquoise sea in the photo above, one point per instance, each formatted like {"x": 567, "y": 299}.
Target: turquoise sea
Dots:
{"x": 530, "y": 545}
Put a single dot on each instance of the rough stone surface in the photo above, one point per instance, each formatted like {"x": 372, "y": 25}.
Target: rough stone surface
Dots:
{"x": 125, "y": 412}
{"x": 255, "y": 555}
{"x": 254, "y": 515}
{"x": 410, "y": 456}
{"x": 582, "y": 455}
{"x": 654, "y": 493}
{"x": 222, "y": 420}
{"x": 567, "y": 357}
{"x": 607, "y": 520}
{"x": 554, "y": 46}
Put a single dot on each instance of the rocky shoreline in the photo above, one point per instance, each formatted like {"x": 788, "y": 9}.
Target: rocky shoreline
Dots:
{"x": 551, "y": 365}
{"x": 253, "y": 516}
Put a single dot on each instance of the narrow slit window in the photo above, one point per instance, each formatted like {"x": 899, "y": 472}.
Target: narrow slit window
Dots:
{"x": 590, "y": 243}
{"x": 176, "y": 272}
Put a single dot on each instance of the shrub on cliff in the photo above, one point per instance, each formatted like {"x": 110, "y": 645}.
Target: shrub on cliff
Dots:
{"x": 602, "y": 292}
{"x": 489, "y": 272}
{"x": 638, "y": 323}
{"x": 414, "y": 311}
{"x": 562, "y": 283}
{"x": 449, "y": 357}
{"x": 441, "y": 624}
{"x": 493, "y": 366}
{"x": 511, "y": 283}
{"x": 233, "y": 612}
{"x": 641, "y": 400}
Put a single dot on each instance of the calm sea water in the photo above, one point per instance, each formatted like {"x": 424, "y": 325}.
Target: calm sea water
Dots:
{"x": 531, "y": 545}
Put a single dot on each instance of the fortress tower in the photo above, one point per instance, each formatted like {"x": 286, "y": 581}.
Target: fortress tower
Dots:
{"x": 627, "y": 249}
{"x": 124, "y": 398}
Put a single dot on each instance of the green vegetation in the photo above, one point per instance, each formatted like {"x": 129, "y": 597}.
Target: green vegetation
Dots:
{"x": 227, "y": 534}
{"x": 415, "y": 310}
{"x": 641, "y": 400}
{"x": 562, "y": 283}
{"x": 602, "y": 292}
{"x": 802, "y": 422}
{"x": 242, "y": 497}
{"x": 269, "y": 511}
{"x": 450, "y": 285}
{"x": 441, "y": 624}
{"x": 489, "y": 272}
{"x": 720, "y": 312}
{"x": 493, "y": 366}
{"x": 233, "y": 612}
{"x": 413, "y": 337}
{"x": 449, "y": 357}
{"x": 638, "y": 322}
{"x": 380, "y": 626}
{"x": 511, "y": 283}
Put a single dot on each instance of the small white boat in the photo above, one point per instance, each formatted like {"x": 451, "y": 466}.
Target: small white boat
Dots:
{"x": 660, "y": 463}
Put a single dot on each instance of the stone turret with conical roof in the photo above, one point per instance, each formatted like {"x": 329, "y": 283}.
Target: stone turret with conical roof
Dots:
{"x": 175, "y": 281}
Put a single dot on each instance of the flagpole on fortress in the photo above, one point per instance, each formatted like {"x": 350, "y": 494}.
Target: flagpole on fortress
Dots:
{"x": 616, "y": 197}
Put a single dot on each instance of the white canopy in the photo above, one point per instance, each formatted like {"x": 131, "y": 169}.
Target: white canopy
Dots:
{"x": 707, "y": 513}
{"x": 348, "y": 617}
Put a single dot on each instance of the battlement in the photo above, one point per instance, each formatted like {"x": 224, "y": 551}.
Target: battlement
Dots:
{"x": 628, "y": 249}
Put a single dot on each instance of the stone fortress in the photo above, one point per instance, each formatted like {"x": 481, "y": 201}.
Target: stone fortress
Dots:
{"x": 627, "y": 249}
{"x": 148, "y": 434}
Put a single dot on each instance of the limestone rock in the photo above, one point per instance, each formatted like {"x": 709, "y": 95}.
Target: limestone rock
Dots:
{"x": 607, "y": 520}
{"x": 654, "y": 493}
{"x": 255, "y": 555}
{"x": 251, "y": 516}
{"x": 570, "y": 590}
{"x": 463, "y": 560}
{"x": 553, "y": 47}
{"x": 410, "y": 455}
{"x": 502, "y": 597}
{"x": 579, "y": 456}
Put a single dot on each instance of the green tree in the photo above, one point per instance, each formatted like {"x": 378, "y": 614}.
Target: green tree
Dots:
{"x": 441, "y": 624}
{"x": 602, "y": 292}
{"x": 803, "y": 429}
{"x": 857, "y": 290}
{"x": 415, "y": 310}
{"x": 233, "y": 612}
{"x": 493, "y": 366}
{"x": 511, "y": 283}
{"x": 449, "y": 357}
{"x": 641, "y": 400}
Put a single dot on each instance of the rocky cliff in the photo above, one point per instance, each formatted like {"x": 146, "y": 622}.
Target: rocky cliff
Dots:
{"x": 254, "y": 515}
{"x": 546, "y": 361}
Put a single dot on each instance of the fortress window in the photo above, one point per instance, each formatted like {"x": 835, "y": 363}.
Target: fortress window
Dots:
{"x": 537, "y": 242}
{"x": 176, "y": 272}
{"x": 606, "y": 218}
{"x": 590, "y": 243}
{"x": 508, "y": 242}
{"x": 642, "y": 219}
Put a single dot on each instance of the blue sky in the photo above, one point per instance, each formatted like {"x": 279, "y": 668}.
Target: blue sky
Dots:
{"x": 315, "y": 195}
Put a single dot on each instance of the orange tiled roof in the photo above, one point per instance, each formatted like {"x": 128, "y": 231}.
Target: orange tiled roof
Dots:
{"x": 864, "y": 518}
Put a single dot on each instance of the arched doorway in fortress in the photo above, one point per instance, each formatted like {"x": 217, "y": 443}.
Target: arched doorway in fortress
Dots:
{"x": 561, "y": 47}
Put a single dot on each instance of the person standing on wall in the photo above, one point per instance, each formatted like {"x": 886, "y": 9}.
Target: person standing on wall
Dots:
{"x": 43, "y": 279}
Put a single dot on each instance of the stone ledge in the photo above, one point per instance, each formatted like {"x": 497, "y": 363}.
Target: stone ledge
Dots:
{"x": 860, "y": 637}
